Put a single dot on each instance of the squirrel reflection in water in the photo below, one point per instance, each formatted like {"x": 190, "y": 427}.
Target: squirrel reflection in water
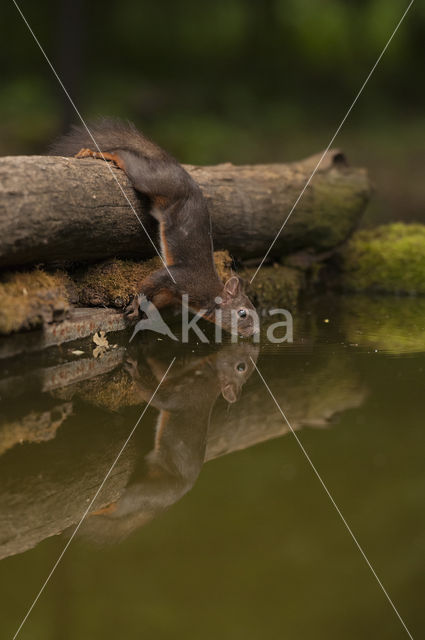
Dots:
{"x": 185, "y": 401}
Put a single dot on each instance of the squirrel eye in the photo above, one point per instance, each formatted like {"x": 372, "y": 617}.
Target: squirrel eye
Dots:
{"x": 242, "y": 313}
{"x": 241, "y": 366}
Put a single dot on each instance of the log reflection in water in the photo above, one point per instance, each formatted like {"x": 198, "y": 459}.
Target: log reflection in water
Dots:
{"x": 45, "y": 486}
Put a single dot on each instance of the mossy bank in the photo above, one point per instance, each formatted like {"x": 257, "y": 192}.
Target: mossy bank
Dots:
{"x": 387, "y": 259}
{"x": 34, "y": 297}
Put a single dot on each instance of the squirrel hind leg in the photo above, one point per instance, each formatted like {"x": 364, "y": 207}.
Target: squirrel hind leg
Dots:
{"x": 101, "y": 155}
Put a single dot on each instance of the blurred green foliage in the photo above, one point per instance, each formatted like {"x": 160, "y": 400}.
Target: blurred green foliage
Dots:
{"x": 238, "y": 80}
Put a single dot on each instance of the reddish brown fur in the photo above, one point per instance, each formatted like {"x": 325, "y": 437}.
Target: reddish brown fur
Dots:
{"x": 160, "y": 201}
{"x": 105, "y": 155}
{"x": 110, "y": 508}
{"x": 163, "y": 420}
{"x": 165, "y": 246}
{"x": 163, "y": 298}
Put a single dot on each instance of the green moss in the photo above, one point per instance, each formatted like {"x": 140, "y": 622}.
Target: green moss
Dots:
{"x": 31, "y": 298}
{"x": 110, "y": 391}
{"x": 331, "y": 211}
{"x": 113, "y": 283}
{"x": 274, "y": 286}
{"x": 223, "y": 264}
{"x": 28, "y": 299}
{"x": 390, "y": 259}
{"x": 338, "y": 206}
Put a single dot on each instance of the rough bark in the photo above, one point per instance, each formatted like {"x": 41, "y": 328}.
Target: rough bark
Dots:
{"x": 81, "y": 323}
{"x": 56, "y": 209}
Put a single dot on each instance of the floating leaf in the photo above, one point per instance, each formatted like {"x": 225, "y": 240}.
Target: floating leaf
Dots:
{"x": 101, "y": 340}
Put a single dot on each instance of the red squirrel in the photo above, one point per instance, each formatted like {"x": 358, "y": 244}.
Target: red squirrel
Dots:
{"x": 184, "y": 224}
{"x": 185, "y": 402}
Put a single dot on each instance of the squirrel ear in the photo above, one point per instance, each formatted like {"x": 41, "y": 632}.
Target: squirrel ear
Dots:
{"x": 233, "y": 286}
{"x": 229, "y": 393}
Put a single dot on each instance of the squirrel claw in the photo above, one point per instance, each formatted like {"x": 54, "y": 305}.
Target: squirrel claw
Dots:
{"x": 86, "y": 153}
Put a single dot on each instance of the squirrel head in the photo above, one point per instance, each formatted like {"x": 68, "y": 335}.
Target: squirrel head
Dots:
{"x": 238, "y": 314}
{"x": 234, "y": 364}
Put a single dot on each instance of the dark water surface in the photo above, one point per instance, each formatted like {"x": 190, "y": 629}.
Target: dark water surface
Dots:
{"x": 248, "y": 545}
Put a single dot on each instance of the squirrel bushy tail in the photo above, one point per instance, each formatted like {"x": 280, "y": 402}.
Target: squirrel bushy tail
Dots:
{"x": 151, "y": 169}
{"x": 110, "y": 134}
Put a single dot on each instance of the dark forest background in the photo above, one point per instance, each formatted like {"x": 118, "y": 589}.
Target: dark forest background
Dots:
{"x": 228, "y": 80}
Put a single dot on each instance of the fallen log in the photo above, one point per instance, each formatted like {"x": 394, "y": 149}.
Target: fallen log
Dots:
{"x": 61, "y": 210}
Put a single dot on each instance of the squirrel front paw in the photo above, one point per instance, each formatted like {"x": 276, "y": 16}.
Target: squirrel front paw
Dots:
{"x": 101, "y": 155}
{"x": 132, "y": 311}
{"x": 87, "y": 153}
